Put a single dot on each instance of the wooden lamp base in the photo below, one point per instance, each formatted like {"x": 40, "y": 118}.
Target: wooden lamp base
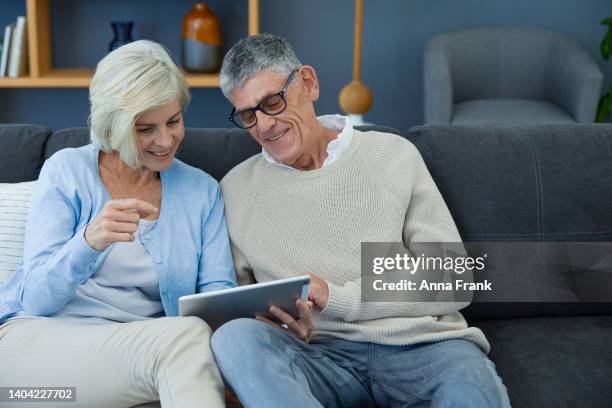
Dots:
{"x": 355, "y": 98}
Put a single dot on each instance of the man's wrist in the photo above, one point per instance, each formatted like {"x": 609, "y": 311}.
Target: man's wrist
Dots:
{"x": 339, "y": 302}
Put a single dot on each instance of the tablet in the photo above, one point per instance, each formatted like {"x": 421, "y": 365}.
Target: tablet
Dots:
{"x": 224, "y": 305}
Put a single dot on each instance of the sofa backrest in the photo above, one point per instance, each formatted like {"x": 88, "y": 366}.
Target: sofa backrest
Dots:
{"x": 24, "y": 148}
{"x": 524, "y": 184}
{"x": 536, "y": 183}
{"x": 21, "y": 152}
{"x": 216, "y": 151}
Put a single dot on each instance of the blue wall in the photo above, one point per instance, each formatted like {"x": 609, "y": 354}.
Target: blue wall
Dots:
{"x": 321, "y": 32}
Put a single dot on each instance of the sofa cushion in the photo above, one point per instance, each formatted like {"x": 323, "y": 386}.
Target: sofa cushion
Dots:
{"x": 553, "y": 362}
{"x": 14, "y": 204}
{"x": 531, "y": 183}
{"x": 547, "y": 183}
{"x": 69, "y": 137}
{"x": 217, "y": 151}
{"x": 21, "y": 152}
{"x": 508, "y": 112}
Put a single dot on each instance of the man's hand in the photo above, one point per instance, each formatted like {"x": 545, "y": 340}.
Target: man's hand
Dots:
{"x": 302, "y": 327}
{"x": 318, "y": 292}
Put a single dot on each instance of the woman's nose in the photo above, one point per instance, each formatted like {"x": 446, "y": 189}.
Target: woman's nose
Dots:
{"x": 164, "y": 138}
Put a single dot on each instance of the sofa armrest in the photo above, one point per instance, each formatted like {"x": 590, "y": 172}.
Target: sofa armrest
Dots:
{"x": 437, "y": 83}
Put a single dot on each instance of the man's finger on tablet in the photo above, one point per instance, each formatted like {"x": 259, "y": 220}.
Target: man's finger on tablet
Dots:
{"x": 300, "y": 328}
{"x": 281, "y": 315}
{"x": 304, "y": 308}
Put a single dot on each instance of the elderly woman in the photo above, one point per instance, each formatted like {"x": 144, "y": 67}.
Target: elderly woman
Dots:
{"x": 117, "y": 231}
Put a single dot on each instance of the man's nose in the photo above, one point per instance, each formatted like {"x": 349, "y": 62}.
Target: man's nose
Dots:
{"x": 264, "y": 122}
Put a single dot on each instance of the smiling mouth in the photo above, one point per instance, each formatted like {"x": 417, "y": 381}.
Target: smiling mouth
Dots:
{"x": 161, "y": 155}
{"x": 274, "y": 138}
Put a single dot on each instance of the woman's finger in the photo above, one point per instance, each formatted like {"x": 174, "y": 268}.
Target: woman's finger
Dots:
{"x": 123, "y": 216}
{"x": 111, "y": 237}
{"x": 134, "y": 204}
{"x": 114, "y": 226}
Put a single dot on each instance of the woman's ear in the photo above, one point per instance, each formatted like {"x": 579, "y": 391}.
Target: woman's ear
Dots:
{"x": 310, "y": 82}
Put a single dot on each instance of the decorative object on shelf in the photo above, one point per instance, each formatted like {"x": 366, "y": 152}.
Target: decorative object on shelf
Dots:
{"x": 201, "y": 40}
{"x": 18, "y": 57}
{"x": 6, "y": 48}
{"x": 123, "y": 34}
{"x": 355, "y": 98}
{"x": 605, "y": 103}
{"x": 42, "y": 22}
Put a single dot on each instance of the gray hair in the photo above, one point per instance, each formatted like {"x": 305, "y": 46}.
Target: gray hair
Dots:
{"x": 253, "y": 54}
{"x": 129, "y": 81}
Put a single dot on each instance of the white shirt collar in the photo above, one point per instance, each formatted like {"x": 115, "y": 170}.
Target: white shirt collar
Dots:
{"x": 335, "y": 148}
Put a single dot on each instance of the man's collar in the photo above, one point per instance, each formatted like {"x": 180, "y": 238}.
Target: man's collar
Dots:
{"x": 335, "y": 148}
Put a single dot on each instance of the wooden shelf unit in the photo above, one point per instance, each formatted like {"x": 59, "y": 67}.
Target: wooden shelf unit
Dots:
{"x": 43, "y": 75}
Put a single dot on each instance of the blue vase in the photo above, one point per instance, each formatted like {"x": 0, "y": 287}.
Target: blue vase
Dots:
{"x": 123, "y": 34}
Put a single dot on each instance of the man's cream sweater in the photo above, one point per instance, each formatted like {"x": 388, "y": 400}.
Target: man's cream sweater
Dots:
{"x": 285, "y": 222}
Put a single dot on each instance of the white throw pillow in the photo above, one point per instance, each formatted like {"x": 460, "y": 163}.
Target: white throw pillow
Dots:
{"x": 14, "y": 205}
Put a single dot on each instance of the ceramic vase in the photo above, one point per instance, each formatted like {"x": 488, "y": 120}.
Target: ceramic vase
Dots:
{"x": 201, "y": 40}
{"x": 123, "y": 34}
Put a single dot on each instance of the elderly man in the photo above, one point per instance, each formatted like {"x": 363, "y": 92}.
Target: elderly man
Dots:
{"x": 317, "y": 190}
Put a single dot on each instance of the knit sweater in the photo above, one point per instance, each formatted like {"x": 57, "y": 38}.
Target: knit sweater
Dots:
{"x": 284, "y": 222}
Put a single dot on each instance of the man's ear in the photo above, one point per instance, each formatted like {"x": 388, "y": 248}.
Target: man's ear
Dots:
{"x": 310, "y": 82}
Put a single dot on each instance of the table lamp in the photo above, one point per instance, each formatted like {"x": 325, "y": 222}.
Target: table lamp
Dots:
{"x": 355, "y": 98}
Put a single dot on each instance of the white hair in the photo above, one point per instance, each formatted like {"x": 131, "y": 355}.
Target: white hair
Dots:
{"x": 253, "y": 54}
{"x": 130, "y": 80}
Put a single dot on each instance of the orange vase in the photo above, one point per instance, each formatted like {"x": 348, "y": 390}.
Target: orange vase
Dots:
{"x": 201, "y": 40}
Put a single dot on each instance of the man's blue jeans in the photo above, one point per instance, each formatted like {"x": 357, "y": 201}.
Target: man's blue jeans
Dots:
{"x": 269, "y": 367}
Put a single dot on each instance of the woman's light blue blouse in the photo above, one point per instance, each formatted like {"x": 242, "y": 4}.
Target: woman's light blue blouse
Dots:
{"x": 189, "y": 244}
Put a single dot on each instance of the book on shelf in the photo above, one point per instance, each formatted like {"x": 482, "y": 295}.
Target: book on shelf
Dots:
{"x": 6, "y": 47}
{"x": 18, "y": 59}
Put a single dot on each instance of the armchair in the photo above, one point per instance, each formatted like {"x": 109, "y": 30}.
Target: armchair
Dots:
{"x": 509, "y": 75}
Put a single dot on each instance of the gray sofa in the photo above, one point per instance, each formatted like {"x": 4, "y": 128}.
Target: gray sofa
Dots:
{"x": 538, "y": 183}
{"x": 509, "y": 75}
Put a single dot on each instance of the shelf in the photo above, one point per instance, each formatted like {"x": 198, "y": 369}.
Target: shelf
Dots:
{"x": 203, "y": 80}
{"x": 81, "y": 78}
{"x": 56, "y": 78}
{"x": 43, "y": 75}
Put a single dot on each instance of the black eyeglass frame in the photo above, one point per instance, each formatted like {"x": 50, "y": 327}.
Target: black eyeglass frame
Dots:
{"x": 259, "y": 108}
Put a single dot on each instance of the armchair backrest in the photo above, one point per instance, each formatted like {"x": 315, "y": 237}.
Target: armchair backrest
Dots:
{"x": 505, "y": 62}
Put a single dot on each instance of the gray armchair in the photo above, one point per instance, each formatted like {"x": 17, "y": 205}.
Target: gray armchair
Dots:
{"x": 509, "y": 75}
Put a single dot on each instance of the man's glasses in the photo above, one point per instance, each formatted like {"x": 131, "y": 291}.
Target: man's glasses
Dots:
{"x": 270, "y": 105}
